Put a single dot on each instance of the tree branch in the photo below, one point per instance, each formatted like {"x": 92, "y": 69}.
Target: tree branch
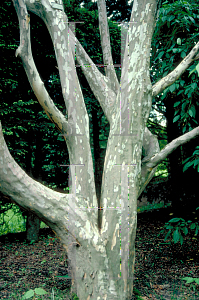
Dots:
{"x": 58, "y": 210}
{"x": 177, "y": 72}
{"x": 76, "y": 129}
{"x": 155, "y": 157}
{"x": 99, "y": 84}
{"x": 169, "y": 148}
{"x": 151, "y": 147}
{"x": 15, "y": 183}
{"x": 25, "y": 52}
{"x": 106, "y": 46}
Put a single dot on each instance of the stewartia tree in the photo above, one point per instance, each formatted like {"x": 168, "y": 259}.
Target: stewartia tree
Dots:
{"x": 100, "y": 243}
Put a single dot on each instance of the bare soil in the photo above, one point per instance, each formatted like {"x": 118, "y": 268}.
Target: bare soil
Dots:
{"x": 159, "y": 266}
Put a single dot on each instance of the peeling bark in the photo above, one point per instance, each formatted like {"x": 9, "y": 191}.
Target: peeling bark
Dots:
{"x": 101, "y": 257}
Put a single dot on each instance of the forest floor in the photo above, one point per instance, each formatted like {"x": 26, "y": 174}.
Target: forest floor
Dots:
{"x": 159, "y": 266}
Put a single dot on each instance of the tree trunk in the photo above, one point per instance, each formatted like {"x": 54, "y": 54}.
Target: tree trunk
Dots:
{"x": 32, "y": 221}
{"x": 32, "y": 227}
{"x": 175, "y": 162}
{"x": 101, "y": 257}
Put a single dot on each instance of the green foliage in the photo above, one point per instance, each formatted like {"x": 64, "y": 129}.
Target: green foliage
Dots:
{"x": 177, "y": 228}
{"x": 31, "y": 293}
{"x": 39, "y": 291}
{"x": 192, "y": 161}
{"x": 191, "y": 281}
{"x": 195, "y": 69}
{"x": 75, "y": 297}
{"x": 174, "y": 37}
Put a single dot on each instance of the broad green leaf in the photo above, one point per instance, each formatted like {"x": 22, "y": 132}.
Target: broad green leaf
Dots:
{"x": 192, "y": 71}
{"x": 196, "y": 152}
{"x": 167, "y": 235}
{"x": 176, "y": 104}
{"x": 168, "y": 226}
{"x": 197, "y": 68}
{"x": 184, "y": 129}
{"x": 175, "y": 220}
{"x": 192, "y": 19}
{"x": 188, "y": 279}
{"x": 184, "y": 161}
{"x": 172, "y": 87}
{"x": 187, "y": 165}
{"x": 28, "y": 294}
{"x": 164, "y": 19}
{"x": 182, "y": 82}
{"x": 193, "y": 110}
{"x": 160, "y": 54}
{"x": 176, "y": 236}
{"x": 183, "y": 54}
{"x": 40, "y": 291}
{"x": 176, "y": 118}
{"x": 185, "y": 103}
{"x": 170, "y": 18}
{"x": 181, "y": 239}
{"x": 175, "y": 50}
{"x": 190, "y": 112}
{"x": 194, "y": 85}
{"x": 185, "y": 230}
{"x": 193, "y": 226}
{"x": 176, "y": 112}
{"x": 197, "y": 280}
{"x": 196, "y": 162}
{"x": 180, "y": 92}
{"x": 179, "y": 41}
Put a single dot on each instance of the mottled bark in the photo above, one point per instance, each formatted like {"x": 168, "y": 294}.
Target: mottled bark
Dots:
{"x": 101, "y": 257}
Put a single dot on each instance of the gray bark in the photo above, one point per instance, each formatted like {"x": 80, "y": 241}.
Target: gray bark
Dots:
{"x": 99, "y": 269}
{"x": 32, "y": 227}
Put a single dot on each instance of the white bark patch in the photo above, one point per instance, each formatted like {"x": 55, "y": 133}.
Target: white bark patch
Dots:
{"x": 112, "y": 288}
{"x": 135, "y": 150}
{"x": 78, "y": 188}
{"x": 120, "y": 151}
{"x": 86, "y": 233}
{"x": 111, "y": 163}
{"x": 114, "y": 236}
{"x": 100, "y": 248}
{"x": 104, "y": 224}
{"x": 116, "y": 188}
{"x": 77, "y": 129}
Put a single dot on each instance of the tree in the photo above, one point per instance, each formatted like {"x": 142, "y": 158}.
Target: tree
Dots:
{"x": 92, "y": 233}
